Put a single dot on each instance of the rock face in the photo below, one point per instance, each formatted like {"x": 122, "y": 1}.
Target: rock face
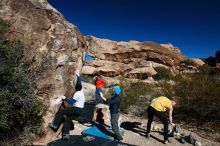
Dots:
{"x": 198, "y": 62}
{"x": 131, "y": 59}
{"x": 55, "y": 44}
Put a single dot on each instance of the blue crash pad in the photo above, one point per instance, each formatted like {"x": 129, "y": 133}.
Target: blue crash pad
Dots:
{"x": 87, "y": 140}
{"x": 99, "y": 131}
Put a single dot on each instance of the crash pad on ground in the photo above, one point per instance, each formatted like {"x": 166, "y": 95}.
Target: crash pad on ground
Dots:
{"x": 101, "y": 131}
{"x": 87, "y": 140}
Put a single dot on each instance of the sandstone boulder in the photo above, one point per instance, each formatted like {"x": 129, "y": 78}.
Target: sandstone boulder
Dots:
{"x": 55, "y": 46}
{"x": 198, "y": 62}
{"x": 146, "y": 71}
{"x": 88, "y": 70}
{"x": 132, "y": 58}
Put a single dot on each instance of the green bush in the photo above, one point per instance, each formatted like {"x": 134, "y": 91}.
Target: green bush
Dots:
{"x": 188, "y": 62}
{"x": 88, "y": 78}
{"x": 5, "y": 108}
{"x": 135, "y": 95}
{"x": 200, "y": 95}
{"x": 3, "y": 27}
{"x": 163, "y": 74}
{"x": 19, "y": 108}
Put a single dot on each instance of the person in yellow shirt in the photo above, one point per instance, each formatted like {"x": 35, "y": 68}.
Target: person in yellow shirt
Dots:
{"x": 159, "y": 107}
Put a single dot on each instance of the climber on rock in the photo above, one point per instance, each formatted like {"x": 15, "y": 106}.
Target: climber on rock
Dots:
{"x": 66, "y": 114}
{"x": 100, "y": 84}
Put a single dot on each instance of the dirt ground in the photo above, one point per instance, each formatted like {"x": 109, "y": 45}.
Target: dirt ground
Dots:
{"x": 135, "y": 133}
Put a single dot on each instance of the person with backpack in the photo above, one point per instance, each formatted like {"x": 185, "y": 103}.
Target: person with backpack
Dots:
{"x": 114, "y": 105}
{"x": 158, "y": 107}
{"x": 66, "y": 114}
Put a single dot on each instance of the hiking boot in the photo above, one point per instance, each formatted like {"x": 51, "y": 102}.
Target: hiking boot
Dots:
{"x": 118, "y": 138}
{"x": 72, "y": 126}
{"x": 167, "y": 141}
{"x": 147, "y": 135}
{"x": 122, "y": 131}
{"x": 52, "y": 126}
{"x": 190, "y": 139}
{"x": 65, "y": 137}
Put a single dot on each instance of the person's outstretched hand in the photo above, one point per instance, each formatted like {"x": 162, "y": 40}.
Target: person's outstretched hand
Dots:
{"x": 102, "y": 96}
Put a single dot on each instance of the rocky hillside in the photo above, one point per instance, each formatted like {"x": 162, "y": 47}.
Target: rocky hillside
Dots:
{"x": 131, "y": 59}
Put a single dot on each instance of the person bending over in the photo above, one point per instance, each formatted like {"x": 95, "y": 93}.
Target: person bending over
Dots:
{"x": 158, "y": 108}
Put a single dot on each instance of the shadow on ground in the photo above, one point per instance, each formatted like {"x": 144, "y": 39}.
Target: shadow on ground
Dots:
{"x": 134, "y": 127}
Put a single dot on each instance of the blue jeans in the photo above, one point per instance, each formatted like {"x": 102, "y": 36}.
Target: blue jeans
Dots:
{"x": 98, "y": 98}
{"x": 66, "y": 116}
{"x": 115, "y": 125}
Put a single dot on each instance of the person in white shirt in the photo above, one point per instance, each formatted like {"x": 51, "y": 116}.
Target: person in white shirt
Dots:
{"x": 65, "y": 115}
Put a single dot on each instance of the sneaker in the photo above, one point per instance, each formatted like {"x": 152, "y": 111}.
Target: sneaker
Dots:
{"x": 65, "y": 137}
{"x": 72, "y": 126}
{"x": 190, "y": 139}
{"x": 52, "y": 126}
{"x": 118, "y": 138}
{"x": 122, "y": 131}
{"x": 167, "y": 141}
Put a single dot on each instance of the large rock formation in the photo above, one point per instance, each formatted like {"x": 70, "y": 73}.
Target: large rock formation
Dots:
{"x": 55, "y": 45}
{"x": 131, "y": 59}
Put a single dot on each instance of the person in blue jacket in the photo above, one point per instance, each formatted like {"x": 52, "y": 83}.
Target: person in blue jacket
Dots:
{"x": 114, "y": 105}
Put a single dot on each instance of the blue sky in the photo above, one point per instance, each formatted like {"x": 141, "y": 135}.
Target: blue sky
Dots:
{"x": 191, "y": 25}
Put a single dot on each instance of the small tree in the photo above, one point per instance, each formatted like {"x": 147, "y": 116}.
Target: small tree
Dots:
{"x": 163, "y": 74}
{"x": 20, "y": 111}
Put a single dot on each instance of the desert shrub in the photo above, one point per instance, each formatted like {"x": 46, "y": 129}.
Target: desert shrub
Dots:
{"x": 135, "y": 95}
{"x": 19, "y": 108}
{"x": 163, "y": 74}
{"x": 188, "y": 62}
{"x": 88, "y": 78}
{"x": 4, "y": 26}
{"x": 200, "y": 95}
